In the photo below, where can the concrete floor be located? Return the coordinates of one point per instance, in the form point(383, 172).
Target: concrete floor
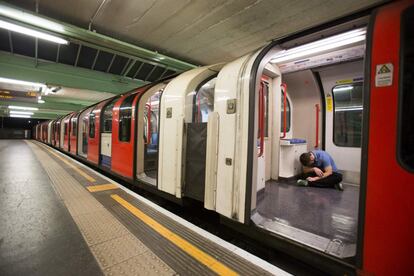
point(34, 220)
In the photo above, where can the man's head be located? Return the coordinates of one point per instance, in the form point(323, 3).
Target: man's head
point(307, 159)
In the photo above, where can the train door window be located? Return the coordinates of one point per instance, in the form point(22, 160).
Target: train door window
point(92, 125)
point(125, 113)
point(282, 120)
point(347, 125)
point(107, 117)
point(151, 115)
point(405, 150)
point(204, 101)
point(66, 129)
point(74, 126)
point(266, 110)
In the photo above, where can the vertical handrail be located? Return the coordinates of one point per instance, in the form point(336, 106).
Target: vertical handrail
point(148, 123)
point(317, 125)
point(261, 119)
point(198, 109)
point(284, 89)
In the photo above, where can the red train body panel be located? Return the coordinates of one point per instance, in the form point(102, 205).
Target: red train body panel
point(389, 186)
point(94, 137)
point(122, 151)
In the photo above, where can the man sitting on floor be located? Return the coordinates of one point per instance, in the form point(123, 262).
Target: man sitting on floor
point(319, 170)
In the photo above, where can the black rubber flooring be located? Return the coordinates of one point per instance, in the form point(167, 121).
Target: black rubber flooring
point(326, 212)
point(37, 233)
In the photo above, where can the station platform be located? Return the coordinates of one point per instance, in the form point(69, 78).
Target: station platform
point(60, 217)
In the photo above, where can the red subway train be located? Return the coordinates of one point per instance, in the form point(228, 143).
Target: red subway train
point(229, 136)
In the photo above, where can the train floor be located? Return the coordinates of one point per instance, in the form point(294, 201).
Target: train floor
point(323, 218)
point(59, 217)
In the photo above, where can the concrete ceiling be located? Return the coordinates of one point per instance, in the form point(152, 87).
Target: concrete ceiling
point(197, 31)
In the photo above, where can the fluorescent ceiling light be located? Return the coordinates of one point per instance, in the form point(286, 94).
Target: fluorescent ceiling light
point(40, 101)
point(325, 44)
point(21, 112)
point(35, 85)
point(20, 116)
point(23, 30)
point(349, 108)
point(30, 18)
point(343, 88)
point(22, 107)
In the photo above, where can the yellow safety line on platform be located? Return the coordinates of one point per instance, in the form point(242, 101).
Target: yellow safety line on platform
point(190, 249)
point(87, 176)
point(102, 187)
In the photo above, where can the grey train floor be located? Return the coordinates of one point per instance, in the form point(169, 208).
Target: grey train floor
point(325, 212)
point(60, 218)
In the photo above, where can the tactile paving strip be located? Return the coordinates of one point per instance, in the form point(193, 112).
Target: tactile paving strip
point(170, 254)
point(116, 250)
point(147, 264)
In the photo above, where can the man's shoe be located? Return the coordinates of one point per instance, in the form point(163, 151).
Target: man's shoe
point(302, 182)
point(339, 186)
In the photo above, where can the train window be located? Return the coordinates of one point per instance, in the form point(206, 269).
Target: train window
point(107, 116)
point(125, 113)
point(405, 146)
point(74, 126)
point(287, 114)
point(65, 129)
point(348, 115)
point(204, 101)
point(92, 125)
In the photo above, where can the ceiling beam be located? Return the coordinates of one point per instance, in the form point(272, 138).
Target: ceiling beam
point(46, 107)
point(76, 34)
point(23, 68)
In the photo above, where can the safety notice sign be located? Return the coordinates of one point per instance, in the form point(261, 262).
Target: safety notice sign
point(383, 75)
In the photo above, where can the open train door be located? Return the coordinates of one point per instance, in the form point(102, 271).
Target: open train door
point(229, 145)
point(388, 159)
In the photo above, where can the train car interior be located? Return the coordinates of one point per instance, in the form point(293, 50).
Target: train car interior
point(61, 131)
point(73, 133)
point(50, 132)
point(148, 133)
point(309, 98)
point(66, 132)
point(106, 134)
point(83, 132)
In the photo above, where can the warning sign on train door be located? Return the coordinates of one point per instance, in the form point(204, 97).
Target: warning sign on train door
point(383, 76)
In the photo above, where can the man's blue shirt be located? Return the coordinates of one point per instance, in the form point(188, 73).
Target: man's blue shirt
point(323, 160)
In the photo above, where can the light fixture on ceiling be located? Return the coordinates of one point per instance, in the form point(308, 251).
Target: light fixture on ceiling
point(30, 18)
point(20, 116)
point(325, 44)
point(23, 30)
point(22, 107)
point(21, 112)
point(343, 88)
point(34, 85)
point(41, 101)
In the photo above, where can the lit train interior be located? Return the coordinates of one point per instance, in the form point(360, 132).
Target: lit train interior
point(147, 133)
point(312, 99)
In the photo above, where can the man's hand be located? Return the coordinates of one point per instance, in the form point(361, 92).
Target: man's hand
point(312, 178)
point(318, 171)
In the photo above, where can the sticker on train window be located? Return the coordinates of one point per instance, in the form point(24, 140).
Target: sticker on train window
point(383, 74)
point(329, 105)
point(344, 81)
